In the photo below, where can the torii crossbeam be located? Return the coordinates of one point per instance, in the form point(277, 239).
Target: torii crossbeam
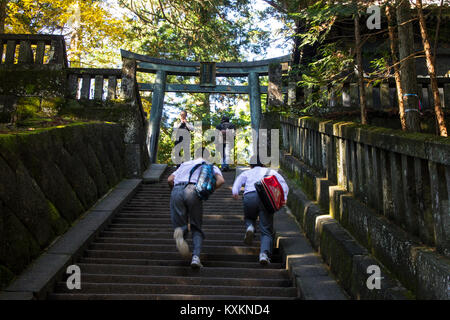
point(207, 72)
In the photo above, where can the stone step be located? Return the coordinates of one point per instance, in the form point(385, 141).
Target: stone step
point(206, 242)
point(167, 227)
point(153, 194)
point(135, 256)
point(166, 213)
point(150, 208)
point(206, 222)
point(157, 215)
point(133, 288)
point(154, 233)
point(194, 281)
point(105, 296)
point(172, 248)
point(218, 272)
point(180, 263)
point(168, 234)
point(163, 201)
point(171, 255)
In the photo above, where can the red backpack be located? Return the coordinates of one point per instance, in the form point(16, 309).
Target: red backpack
point(271, 193)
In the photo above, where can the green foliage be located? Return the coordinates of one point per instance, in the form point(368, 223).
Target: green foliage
point(329, 70)
point(195, 30)
point(92, 32)
point(319, 18)
point(209, 115)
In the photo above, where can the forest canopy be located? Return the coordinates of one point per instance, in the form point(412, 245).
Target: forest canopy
point(326, 38)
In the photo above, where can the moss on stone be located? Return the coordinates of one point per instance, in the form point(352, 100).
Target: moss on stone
point(17, 245)
point(307, 184)
point(6, 277)
point(32, 82)
point(38, 166)
point(59, 225)
point(112, 111)
point(27, 108)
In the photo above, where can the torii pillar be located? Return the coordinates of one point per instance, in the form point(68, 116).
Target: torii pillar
point(255, 110)
point(156, 113)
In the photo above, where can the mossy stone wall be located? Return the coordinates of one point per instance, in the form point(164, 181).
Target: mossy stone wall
point(48, 178)
point(25, 91)
point(421, 267)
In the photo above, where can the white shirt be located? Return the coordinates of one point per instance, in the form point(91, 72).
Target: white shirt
point(183, 172)
point(189, 126)
point(250, 177)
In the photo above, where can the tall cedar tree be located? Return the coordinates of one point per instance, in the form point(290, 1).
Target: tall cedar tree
point(431, 71)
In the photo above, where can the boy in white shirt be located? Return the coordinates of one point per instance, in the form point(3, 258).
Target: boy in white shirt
point(185, 204)
point(182, 124)
point(253, 208)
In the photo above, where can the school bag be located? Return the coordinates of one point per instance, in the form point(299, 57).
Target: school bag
point(206, 182)
point(270, 193)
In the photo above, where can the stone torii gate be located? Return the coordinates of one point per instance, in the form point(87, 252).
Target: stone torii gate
point(207, 72)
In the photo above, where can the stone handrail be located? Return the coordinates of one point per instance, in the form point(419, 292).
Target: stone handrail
point(32, 50)
point(384, 96)
point(80, 85)
point(403, 176)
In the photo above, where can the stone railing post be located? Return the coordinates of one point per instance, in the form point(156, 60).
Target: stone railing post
point(275, 93)
point(134, 129)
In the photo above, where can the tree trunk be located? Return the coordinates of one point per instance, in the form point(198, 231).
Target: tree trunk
point(408, 74)
point(360, 71)
point(74, 52)
point(401, 105)
point(3, 4)
point(436, 37)
point(431, 71)
point(297, 54)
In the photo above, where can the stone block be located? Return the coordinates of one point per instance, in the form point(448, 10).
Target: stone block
point(129, 184)
point(311, 213)
point(79, 236)
point(390, 289)
point(285, 224)
point(338, 248)
point(433, 276)
point(78, 177)
point(335, 193)
point(40, 277)
point(320, 222)
point(18, 296)
point(319, 288)
point(298, 202)
point(48, 172)
point(36, 153)
point(323, 193)
point(304, 264)
point(154, 173)
point(132, 158)
point(27, 201)
point(356, 218)
point(394, 249)
point(17, 245)
point(113, 201)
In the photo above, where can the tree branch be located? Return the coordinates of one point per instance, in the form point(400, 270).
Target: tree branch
point(276, 6)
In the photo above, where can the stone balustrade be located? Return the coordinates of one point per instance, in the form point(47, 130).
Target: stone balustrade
point(404, 177)
point(94, 84)
point(383, 96)
point(17, 49)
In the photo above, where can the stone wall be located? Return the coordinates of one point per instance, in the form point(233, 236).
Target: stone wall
point(37, 83)
point(376, 193)
point(48, 179)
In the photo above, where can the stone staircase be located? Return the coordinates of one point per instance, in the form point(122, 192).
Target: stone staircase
point(135, 256)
